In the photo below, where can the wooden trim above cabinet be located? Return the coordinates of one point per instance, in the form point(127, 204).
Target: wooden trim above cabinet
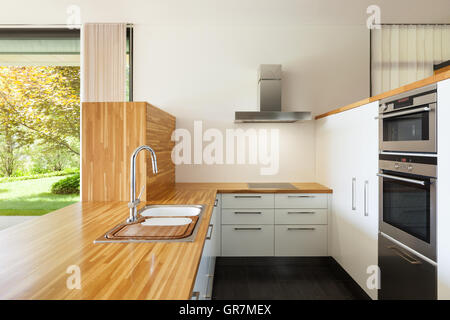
point(438, 76)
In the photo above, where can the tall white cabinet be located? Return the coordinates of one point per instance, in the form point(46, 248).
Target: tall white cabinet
point(443, 191)
point(347, 162)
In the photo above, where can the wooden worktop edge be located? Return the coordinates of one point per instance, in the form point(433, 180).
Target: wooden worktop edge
point(414, 85)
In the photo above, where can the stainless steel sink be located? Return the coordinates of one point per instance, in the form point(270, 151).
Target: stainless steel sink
point(174, 212)
point(170, 211)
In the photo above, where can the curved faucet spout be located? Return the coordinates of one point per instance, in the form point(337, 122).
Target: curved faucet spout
point(134, 202)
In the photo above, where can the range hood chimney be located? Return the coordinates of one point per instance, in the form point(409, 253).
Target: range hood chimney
point(269, 99)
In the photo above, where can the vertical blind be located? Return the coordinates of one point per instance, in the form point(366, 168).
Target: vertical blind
point(402, 54)
point(104, 49)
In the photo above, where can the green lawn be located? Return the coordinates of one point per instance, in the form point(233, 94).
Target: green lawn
point(32, 197)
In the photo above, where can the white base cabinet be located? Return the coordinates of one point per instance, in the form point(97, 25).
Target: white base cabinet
point(247, 240)
point(301, 240)
point(205, 275)
point(293, 224)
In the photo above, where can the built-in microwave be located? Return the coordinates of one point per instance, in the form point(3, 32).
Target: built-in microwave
point(408, 121)
point(408, 201)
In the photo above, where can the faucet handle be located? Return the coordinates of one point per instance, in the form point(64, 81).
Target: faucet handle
point(135, 203)
point(140, 193)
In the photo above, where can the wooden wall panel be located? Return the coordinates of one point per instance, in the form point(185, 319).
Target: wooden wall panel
point(111, 131)
point(160, 126)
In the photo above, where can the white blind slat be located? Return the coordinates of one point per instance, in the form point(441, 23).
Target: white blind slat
point(404, 54)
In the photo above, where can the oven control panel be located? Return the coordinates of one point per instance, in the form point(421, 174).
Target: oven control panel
point(418, 165)
point(403, 166)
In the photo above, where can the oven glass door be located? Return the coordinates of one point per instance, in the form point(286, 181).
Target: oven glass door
point(407, 127)
point(406, 206)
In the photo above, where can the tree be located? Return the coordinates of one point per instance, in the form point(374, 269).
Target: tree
point(41, 103)
point(8, 154)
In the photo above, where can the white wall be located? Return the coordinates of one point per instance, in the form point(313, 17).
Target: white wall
point(197, 59)
point(199, 73)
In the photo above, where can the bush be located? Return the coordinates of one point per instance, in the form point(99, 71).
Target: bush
point(65, 172)
point(68, 185)
point(19, 173)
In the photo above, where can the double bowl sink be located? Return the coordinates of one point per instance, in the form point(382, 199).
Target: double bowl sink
point(158, 223)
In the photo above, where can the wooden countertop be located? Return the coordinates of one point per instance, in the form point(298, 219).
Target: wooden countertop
point(35, 255)
point(414, 85)
point(304, 187)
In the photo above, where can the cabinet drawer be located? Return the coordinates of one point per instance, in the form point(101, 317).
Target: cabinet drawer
point(247, 216)
point(247, 240)
point(301, 216)
point(304, 240)
point(301, 200)
point(248, 200)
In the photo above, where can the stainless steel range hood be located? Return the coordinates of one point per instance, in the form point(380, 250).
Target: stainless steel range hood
point(269, 99)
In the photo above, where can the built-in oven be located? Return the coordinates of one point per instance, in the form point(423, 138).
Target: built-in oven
point(407, 224)
point(408, 121)
point(408, 201)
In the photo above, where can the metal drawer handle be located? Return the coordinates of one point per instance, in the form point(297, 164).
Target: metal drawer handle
point(301, 196)
point(247, 229)
point(404, 255)
point(195, 295)
point(311, 229)
point(247, 212)
point(245, 197)
point(353, 193)
point(210, 234)
point(301, 212)
point(366, 209)
point(382, 175)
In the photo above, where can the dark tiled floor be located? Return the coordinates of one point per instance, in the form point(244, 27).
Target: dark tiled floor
point(284, 278)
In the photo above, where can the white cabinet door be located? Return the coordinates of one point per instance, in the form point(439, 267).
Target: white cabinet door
point(301, 240)
point(299, 200)
point(211, 249)
point(301, 216)
point(347, 157)
point(217, 226)
point(247, 200)
point(248, 216)
point(248, 240)
point(443, 190)
point(201, 281)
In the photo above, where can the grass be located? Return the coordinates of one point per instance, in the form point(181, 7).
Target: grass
point(32, 197)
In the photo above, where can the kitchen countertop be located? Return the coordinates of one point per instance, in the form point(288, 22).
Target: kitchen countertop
point(37, 258)
point(414, 85)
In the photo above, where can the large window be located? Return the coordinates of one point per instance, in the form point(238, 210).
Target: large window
point(129, 79)
point(39, 121)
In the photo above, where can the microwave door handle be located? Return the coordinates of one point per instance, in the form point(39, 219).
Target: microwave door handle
point(401, 179)
point(402, 113)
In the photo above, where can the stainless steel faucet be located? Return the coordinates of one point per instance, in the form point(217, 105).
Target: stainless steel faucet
point(134, 202)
